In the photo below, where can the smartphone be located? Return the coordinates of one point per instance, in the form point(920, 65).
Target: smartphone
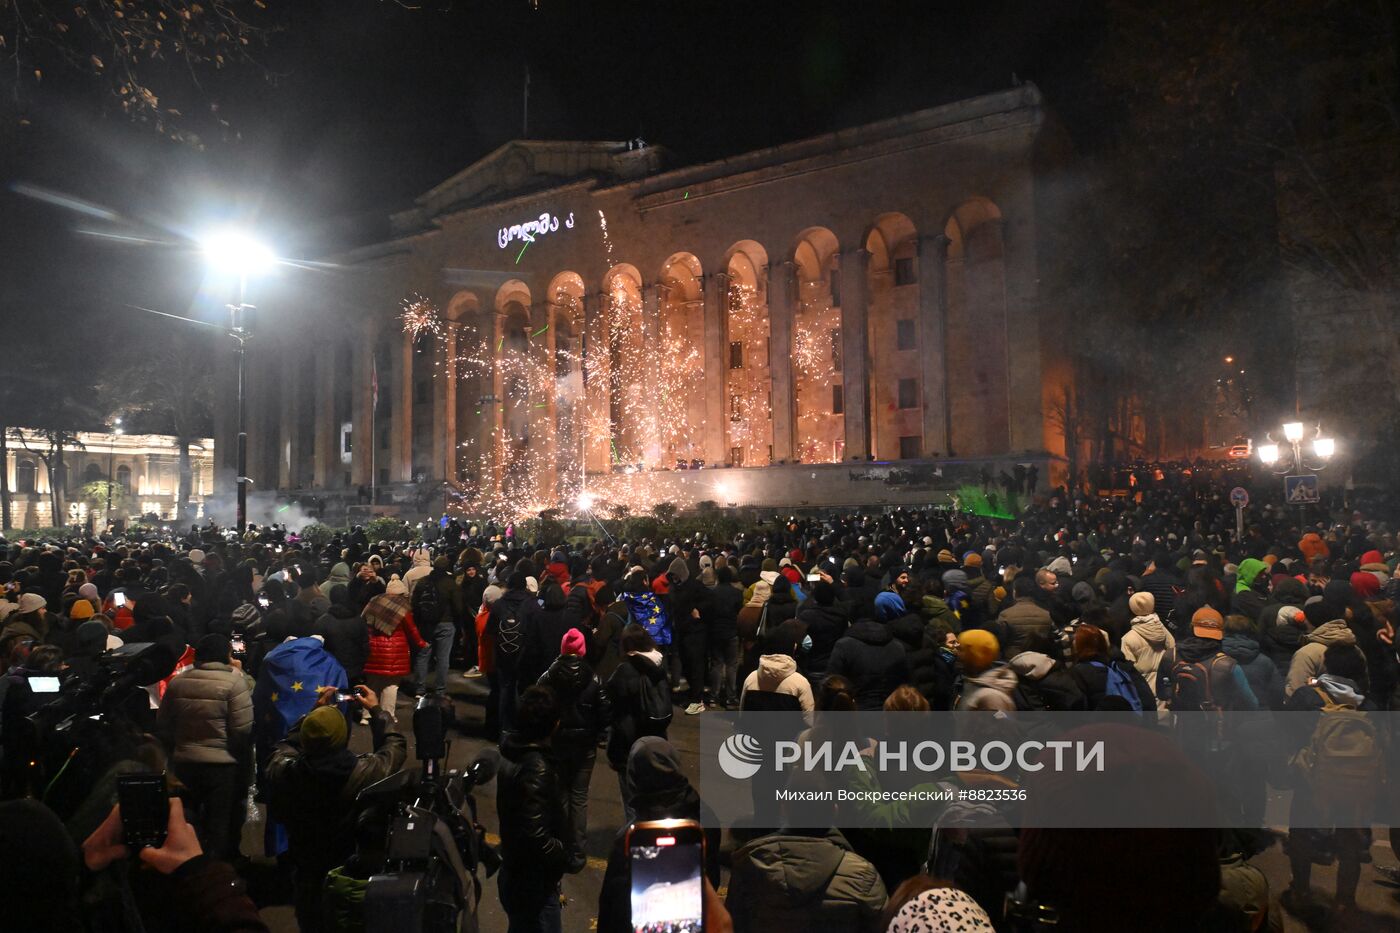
point(145, 806)
point(44, 684)
point(264, 601)
point(118, 599)
point(237, 645)
point(344, 697)
point(814, 578)
point(667, 858)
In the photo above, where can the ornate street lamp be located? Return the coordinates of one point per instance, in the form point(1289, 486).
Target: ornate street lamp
point(1296, 455)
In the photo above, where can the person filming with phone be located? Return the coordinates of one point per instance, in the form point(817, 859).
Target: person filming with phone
point(313, 780)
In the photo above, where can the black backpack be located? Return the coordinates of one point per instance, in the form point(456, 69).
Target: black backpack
point(654, 704)
point(510, 634)
point(427, 604)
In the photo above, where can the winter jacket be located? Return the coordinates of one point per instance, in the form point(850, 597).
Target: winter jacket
point(530, 807)
point(871, 659)
point(606, 643)
point(314, 795)
point(993, 689)
point(347, 638)
point(1307, 661)
point(1022, 621)
point(585, 710)
point(722, 623)
point(804, 880)
point(1165, 586)
point(1147, 646)
point(1264, 678)
point(1229, 687)
point(390, 655)
point(932, 669)
point(1092, 678)
point(777, 673)
point(543, 632)
point(1041, 677)
point(624, 691)
point(206, 715)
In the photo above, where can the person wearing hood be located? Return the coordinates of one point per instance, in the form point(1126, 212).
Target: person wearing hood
point(662, 792)
point(1282, 624)
point(1336, 691)
point(781, 607)
point(826, 621)
point(1043, 681)
point(420, 566)
point(392, 640)
point(585, 713)
point(690, 601)
point(557, 569)
point(542, 633)
point(1264, 678)
point(1251, 589)
point(1307, 660)
point(988, 683)
point(631, 720)
point(869, 656)
point(339, 576)
point(1148, 646)
point(29, 620)
point(206, 721)
point(777, 676)
point(366, 585)
point(346, 637)
point(312, 781)
point(805, 876)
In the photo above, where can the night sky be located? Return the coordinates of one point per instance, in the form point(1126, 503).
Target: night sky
point(361, 105)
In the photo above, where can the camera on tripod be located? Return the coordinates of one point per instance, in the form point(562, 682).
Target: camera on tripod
point(434, 845)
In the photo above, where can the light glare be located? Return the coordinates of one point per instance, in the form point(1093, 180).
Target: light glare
point(1293, 430)
point(1324, 447)
point(1268, 453)
point(234, 252)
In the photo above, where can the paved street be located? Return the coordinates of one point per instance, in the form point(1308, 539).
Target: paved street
point(1380, 902)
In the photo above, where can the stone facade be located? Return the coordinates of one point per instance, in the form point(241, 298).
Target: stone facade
point(859, 298)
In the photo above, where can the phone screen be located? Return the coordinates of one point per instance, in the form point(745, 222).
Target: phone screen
point(145, 809)
point(813, 577)
point(264, 601)
point(119, 600)
point(43, 684)
point(668, 894)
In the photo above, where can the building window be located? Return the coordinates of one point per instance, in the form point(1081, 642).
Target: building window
point(836, 349)
point(124, 478)
point(908, 393)
point(92, 473)
point(904, 338)
point(349, 441)
point(736, 456)
point(836, 287)
point(383, 476)
point(904, 271)
point(909, 447)
point(24, 476)
point(838, 399)
point(736, 355)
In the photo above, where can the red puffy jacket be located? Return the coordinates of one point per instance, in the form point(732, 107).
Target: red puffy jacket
point(389, 655)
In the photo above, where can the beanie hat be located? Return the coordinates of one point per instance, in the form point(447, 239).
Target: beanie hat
point(940, 910)
point(1290, 615)
point(196, 556)
point(323, 730)
point(396, 587)
point(491, 594)
point(573, 643)
point(88, 591)
point(889, 606)
point(945, 556)
point(1141, 604)
point(31, 602)
point(1366, 585)
point(532, 584)
point(954, 580)
point(212, 647)
point(80, 610)
point(972, 559)
point(978, 649)
point(1207, 623)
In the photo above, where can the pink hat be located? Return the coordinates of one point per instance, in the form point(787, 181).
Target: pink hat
point(573, 643)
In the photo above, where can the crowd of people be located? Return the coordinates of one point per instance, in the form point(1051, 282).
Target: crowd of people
point(1145, 603)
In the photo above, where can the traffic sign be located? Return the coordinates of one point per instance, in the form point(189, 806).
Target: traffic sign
point(1239, 497)
point(1300, 490)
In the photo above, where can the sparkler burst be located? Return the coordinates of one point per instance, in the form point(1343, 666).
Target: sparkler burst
point(420, 316)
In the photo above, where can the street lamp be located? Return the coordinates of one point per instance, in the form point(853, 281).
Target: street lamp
point(235, 253)
point(111, 460)
point(1296, 455)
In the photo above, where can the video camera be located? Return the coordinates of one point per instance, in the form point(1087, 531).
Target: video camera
point(434, 844)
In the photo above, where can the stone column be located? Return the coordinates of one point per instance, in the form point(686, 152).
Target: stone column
point(448, 404)
point(225, 465)
point(596, 453)
point(716, 365)
point(327, 454)
point(933, 315)
point(1024, 388)
point(543, 411)
point(289, 446)
point(361, 400)
point(855, 351)
point(781, 288)
point(401, 443)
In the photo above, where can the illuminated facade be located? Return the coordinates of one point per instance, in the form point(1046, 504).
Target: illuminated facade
point(801, 318)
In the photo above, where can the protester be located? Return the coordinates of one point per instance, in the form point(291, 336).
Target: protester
point(535, 852)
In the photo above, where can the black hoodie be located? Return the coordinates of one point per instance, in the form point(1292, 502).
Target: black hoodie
point(871, 659)
point(544, 633)
point(584, 706)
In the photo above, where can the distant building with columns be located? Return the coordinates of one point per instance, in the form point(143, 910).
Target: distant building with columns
point(854, 318)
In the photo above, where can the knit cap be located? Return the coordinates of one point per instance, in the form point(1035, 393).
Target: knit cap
point(323, 730)
point(1141, 604)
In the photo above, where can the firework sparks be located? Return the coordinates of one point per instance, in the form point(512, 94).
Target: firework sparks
point(419, 317)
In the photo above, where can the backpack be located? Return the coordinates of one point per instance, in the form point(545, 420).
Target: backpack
point(1342, 763)
point(1192, 692)
point(1164, 686)
point(654, 704)
point(427, 603)
point(648, 612)
point(510, 635)
point(1119, 684)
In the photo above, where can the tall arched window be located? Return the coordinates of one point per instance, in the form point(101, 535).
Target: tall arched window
point(816, 349)
point(24, 476)
point(92, 473)
point(748, 386)
point(124, 478)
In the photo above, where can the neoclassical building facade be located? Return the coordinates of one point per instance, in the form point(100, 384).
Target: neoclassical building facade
point(815, 322)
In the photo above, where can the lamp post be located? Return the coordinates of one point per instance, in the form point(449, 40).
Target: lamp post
point(1295, 456)
point(232, 252)
point(111, 461)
